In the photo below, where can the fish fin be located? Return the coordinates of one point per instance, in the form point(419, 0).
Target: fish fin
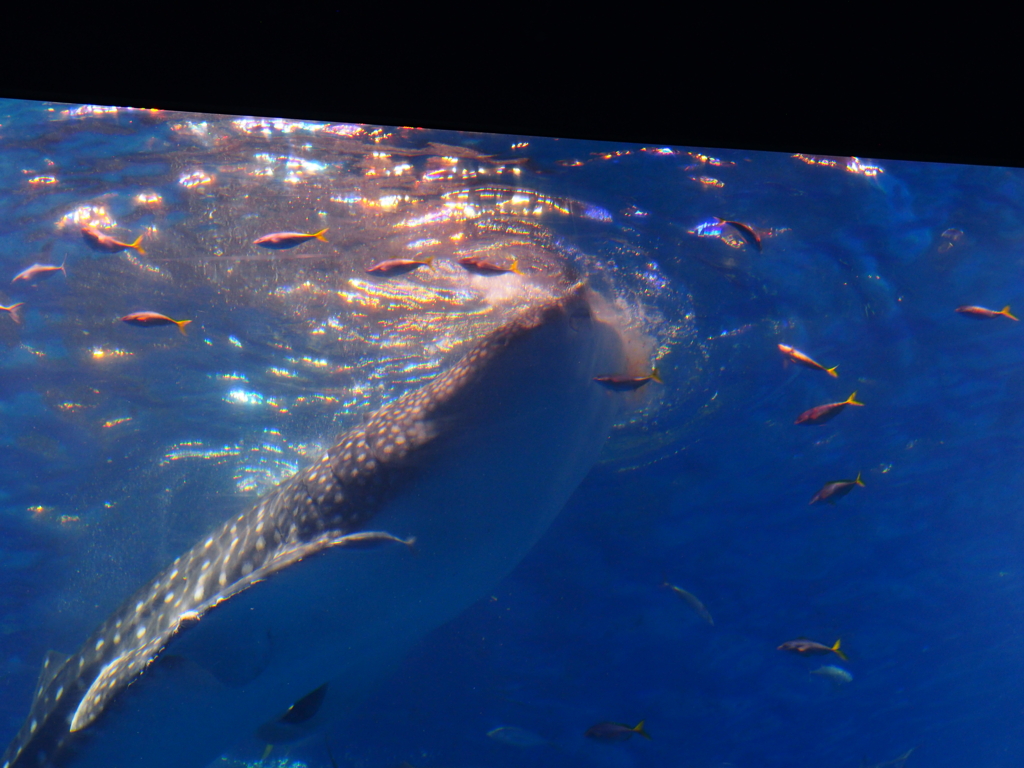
point(266, 752)
point(851, 401)
point(858, 481)
point(656, 375)
point(137, 247)
point(832, 372)
point(181, 326)
point(15, 310)
point(66, 272)
point(320, 235)
point(840, 654)
point(515, 267)
point(411, 544)
point(1006, 311)
point(640, 730)
point(429, 261)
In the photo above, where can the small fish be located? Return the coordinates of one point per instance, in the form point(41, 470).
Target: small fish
point(147, 319)
point(399, 266)
point(692, 601)
point(837, 675)
point(480, 266)
point(799, 357)
point(628, 383)
point(372, 540)
point(108, 244)
point(897, 762)
point(40, 272)
point(615, 731)
point(516, 737)
point(822, 413)
point(982, 312)
point(835, 490)
point(288, 239)
point(14, 311)
point(746, 232)
point(810, 648)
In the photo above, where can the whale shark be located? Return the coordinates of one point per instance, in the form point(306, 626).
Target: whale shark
point(278, 621)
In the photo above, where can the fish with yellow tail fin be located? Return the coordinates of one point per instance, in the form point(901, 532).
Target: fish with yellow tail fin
point(615, 732)
point(822, 413)
point(393, 267)
point(628, 383)
point(806, 647)
point(282, 240)
point(101, 242)
point(150, 319)
point(266, 752)
point(479, 265)
point(982, 312)
point(835, 490)
point(799, 357)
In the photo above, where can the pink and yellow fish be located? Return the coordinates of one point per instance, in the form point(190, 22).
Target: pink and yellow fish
point(151, 319)
point(107, 244)
point(281, 240)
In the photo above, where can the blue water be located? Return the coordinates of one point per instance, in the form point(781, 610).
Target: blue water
point(122, 445)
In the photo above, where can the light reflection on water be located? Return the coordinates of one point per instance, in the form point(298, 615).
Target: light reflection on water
point(285, 348)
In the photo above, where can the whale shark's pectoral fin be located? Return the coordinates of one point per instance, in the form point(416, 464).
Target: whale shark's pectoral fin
point(204, 635)
point(52, 663)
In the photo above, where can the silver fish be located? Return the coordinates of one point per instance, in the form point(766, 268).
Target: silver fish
point(692, 601)
point(515, 736)
point(837, 675)
point(272, 627)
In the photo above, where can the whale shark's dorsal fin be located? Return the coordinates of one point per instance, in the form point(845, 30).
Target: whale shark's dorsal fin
point(52, 663)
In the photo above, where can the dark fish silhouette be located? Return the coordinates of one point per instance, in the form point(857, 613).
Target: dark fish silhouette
point(836, 490)
point(822, 413)
point(628, 383)
point(810, 648)
point(692, 601)
point(479, 265)
point(399, 266)
point(615, 731)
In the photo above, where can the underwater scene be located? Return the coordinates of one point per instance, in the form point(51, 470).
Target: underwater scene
point(339, 445)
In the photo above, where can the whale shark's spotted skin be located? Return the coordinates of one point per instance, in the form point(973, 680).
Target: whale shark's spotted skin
point(315, 509)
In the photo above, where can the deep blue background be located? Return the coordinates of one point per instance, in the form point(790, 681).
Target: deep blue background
point(920, 573)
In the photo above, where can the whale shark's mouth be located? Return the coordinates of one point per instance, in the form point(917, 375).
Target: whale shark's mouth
point(286, 614)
